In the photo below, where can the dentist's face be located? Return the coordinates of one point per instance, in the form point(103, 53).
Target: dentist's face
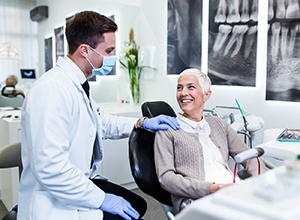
point(190, 97)
point(105, 48)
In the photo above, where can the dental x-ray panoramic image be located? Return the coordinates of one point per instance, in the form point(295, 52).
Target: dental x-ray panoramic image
point(232, 43)
point(232, 39)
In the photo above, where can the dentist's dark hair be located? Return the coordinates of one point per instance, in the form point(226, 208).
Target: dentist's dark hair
point(87, 27)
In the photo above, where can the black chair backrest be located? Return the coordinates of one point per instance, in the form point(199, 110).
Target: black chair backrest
point(141, 154)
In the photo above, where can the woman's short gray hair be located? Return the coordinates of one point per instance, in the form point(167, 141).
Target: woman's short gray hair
point(204, 80)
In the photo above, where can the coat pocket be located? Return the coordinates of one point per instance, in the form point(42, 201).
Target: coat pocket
point(44, 206)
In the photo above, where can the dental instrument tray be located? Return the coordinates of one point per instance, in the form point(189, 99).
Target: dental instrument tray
point(289, 135)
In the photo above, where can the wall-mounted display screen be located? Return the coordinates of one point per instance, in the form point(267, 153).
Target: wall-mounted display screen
point(28, 74)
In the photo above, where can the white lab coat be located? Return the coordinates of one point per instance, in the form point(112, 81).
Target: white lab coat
point(59, 126)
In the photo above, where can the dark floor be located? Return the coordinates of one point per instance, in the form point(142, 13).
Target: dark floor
point(154, 211)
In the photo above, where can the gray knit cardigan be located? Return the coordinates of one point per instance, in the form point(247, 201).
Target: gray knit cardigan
point(179, 160)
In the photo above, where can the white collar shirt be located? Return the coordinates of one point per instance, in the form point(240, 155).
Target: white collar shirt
point(216, 169)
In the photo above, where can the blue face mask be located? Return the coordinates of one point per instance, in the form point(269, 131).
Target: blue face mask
point(107, 65)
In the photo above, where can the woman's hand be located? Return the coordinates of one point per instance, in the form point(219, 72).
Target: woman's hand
point(216, 186)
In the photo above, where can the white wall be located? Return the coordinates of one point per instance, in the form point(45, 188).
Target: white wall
point(150, 21)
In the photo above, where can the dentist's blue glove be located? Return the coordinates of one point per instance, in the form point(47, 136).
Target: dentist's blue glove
point(159, 123)
point(116, 205)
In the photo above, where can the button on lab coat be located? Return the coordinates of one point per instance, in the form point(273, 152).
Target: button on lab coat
point(59, 128)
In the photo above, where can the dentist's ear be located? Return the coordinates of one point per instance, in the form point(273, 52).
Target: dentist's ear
point(83, 49)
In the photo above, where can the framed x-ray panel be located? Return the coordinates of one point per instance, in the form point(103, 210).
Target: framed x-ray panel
point(48, 54)
point(232, 42)
point(184, 35)
point(59, 42)
point(283, 60)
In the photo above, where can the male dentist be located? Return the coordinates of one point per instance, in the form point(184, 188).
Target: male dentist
point(62, 132)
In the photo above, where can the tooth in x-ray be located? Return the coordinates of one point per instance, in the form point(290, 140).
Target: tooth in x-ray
point(293, 32)
point(254, 10)
point(224, 30)
point(280, 9)
point(238, 32)
point(271, 10)
point(275, 40)
point(284, 39)
point(245, 11)
point(233, 12)
point(293, 10)
point(249, 40)
point(221, 13)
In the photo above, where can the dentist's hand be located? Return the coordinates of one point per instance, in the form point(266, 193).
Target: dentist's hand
point(116, 205)
point(159, 123)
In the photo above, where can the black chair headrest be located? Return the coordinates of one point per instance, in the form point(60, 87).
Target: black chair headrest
point(155, 108)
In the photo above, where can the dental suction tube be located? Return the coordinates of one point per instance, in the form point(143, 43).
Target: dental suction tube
point(249, 154)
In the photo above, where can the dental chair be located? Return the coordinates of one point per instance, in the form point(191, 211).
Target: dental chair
point(10, 156)
point(15, 102)
point(141, 156)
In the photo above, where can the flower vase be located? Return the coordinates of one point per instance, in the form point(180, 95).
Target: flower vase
point(134, 85)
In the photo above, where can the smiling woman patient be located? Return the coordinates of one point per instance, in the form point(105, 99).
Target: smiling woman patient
point(193, 162)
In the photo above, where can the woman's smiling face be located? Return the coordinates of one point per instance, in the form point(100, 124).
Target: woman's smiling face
point(191, 97)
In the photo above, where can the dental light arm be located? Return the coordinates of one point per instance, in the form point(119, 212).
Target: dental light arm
point(249, 154)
